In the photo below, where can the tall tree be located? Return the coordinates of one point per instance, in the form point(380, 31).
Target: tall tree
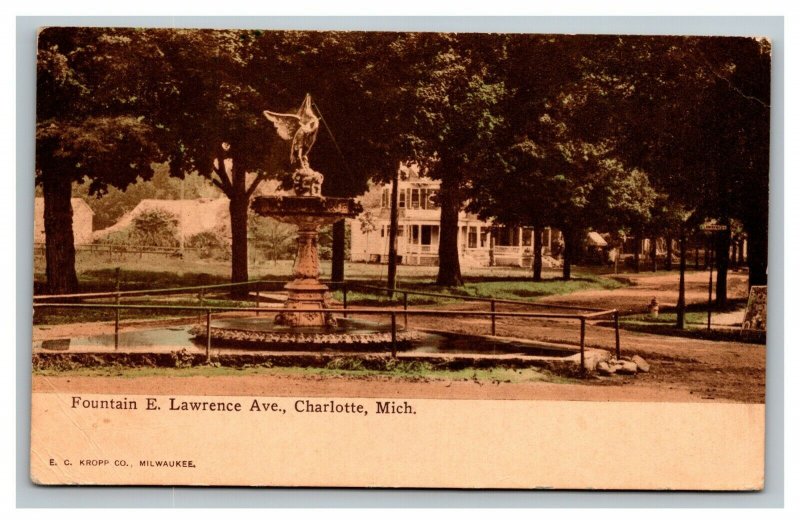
point(459, 92)
point(212, 121)
point(90, 126)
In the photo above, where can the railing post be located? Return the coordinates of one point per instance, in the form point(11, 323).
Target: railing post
point(394, 335)
point(494, 329)
point(405, 308)
point(202, 292)
point(616, 331)
point(258, 301)
point(344, 298)
point(583, 338)
point(208, 335)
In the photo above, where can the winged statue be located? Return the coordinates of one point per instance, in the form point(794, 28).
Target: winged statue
point(300, 128)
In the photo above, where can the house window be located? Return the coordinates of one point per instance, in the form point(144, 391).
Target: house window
point(415, 198)
point(415, 234)
point(383, 231)
point(402, 199)
point(472, 241)
point(432, 204)
point(426, 235)
point(527, 237)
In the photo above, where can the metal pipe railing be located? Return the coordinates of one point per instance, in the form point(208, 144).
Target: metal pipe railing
point(475, 299)
point(493, 314)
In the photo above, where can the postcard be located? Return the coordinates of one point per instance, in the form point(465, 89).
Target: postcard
point(384, 259)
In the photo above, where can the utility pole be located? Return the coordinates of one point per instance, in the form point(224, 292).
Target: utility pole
point(183, 222)
point(393, 220)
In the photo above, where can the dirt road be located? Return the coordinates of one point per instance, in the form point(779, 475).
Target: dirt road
point(646, 286)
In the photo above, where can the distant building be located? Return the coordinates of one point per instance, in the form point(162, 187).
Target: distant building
point(480, 243)
point(82, 217)
point(194, 216)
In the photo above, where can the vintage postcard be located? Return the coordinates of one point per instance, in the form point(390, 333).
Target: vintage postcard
point(376, 259)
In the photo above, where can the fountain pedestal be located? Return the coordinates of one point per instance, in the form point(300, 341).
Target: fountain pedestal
point(309, 214)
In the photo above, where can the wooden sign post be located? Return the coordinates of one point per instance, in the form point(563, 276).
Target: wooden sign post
point(711, 228)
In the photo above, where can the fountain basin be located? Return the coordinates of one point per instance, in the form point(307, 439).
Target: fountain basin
point(306, 212)
point(268, 334)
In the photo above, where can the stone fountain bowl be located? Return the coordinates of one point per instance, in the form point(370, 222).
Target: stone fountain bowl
point(317, 210)
point(259, 333)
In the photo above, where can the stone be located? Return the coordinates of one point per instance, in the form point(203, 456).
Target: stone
point(594, 357)
point(641, 364)
point(626, 367)
point(604, 369)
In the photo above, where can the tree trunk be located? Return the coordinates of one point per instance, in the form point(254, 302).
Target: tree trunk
point(668, 262)
point(734, 247)
point(637, 248)
point(393, 220)
point(449, 264)
point(681, 307)
point(723, 261)
point(337, 251)
point(238, 210)
point(653, 254)
point(537, 253)
point(569, 251)
point(757, 254)
point(741, 251)
point(59, 239)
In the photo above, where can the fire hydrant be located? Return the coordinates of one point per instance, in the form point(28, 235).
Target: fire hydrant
point(653, 308)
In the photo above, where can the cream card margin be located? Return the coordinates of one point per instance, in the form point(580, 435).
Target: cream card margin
point(445, 444)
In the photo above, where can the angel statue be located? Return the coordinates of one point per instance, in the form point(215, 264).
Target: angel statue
point(301, 129)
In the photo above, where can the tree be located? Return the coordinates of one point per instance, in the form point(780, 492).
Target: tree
point(696, 115)
point(360, 83)
point(459, 92)
point(90, 127)
point(212, 121)
point(275, 236)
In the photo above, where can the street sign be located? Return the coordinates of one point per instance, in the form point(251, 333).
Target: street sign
point(713, 227)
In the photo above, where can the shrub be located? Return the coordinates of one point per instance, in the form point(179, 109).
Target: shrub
point(207, 244)
point(156, 227)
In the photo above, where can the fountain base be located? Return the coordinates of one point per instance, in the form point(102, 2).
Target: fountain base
point(306, 294)
point(268, 334)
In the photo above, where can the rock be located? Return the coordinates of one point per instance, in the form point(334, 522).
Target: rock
point(641, 364)
point(593, 358)
point(626, 368)
point(604, 369)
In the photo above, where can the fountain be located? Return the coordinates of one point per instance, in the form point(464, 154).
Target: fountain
point(309, 211)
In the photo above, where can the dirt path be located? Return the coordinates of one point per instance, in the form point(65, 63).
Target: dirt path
point(662, 286)
point(376, 387)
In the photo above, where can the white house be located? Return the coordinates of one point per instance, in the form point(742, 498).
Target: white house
point(480, 243)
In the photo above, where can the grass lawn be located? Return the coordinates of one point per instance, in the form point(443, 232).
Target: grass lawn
point(97, 273)
point(401, 371)
point(509, 288)
point(696, 318)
